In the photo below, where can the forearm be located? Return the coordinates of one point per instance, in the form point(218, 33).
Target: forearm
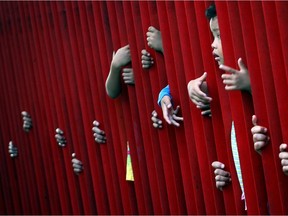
point(113, 82)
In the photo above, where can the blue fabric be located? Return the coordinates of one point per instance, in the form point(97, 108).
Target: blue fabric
point(165, 91)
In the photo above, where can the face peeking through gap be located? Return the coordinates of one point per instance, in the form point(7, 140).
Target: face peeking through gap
point(216, 45)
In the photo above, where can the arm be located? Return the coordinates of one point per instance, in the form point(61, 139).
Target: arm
point(113, 82)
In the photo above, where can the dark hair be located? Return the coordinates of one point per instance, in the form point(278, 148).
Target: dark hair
point(211, 12)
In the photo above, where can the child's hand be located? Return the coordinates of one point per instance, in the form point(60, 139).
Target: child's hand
point(27, 121)
point(147, 60)
point(128, 76)
point(283, 155)
point(197, 90)
point(99, 135)
point(12, 150)
point(76, 164)
point(222, 177)
point(236, 79)
point(154, 39)
point(60, 138)
point(122, 57)
point(260, 137)
point(157, 123)
point(169, 114)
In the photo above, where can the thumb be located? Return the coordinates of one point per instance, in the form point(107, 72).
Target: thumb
point(203, 77)
point(254, 120)
point(241, 64)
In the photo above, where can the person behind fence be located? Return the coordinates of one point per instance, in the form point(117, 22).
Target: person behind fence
point(154, 41)
point(261, 139)
point(233, 80)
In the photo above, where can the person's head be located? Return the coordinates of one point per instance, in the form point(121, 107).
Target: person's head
point(211, 14)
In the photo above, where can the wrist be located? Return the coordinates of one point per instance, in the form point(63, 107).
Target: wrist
point(115, 66)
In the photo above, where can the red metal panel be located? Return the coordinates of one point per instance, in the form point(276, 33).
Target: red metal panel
point(40, 79)
point(10, 187)
point(21, 167)
point(117, 38)
point(221, 118)
point(206, 153)
point(277, 66)
point(26, 96)
point(242, 110)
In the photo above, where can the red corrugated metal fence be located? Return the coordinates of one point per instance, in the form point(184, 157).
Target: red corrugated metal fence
point(54, 60)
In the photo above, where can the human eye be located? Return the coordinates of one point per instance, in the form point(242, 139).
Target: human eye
point(218, 36)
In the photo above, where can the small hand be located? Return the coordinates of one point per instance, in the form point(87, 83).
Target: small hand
point(76, 164)
point(147, 60)
point(157, 123)
point(236, 79)
point(154, 39)
point(283, 156)
point(27, 121)
point(169, 114)
point(12, 150)
point(260, 137)
point(222, 177)
point(128, 76)
point(60, 138)
point(99, 134)
point(122, 57)
point(197, 90)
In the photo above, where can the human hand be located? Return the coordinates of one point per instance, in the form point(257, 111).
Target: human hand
point(12, 150)
point(283, 156)
point(222, 177)
point(236, 79)
point(27, 121)
point(157, 123)
point(76, 164)
point(198, 93)
point(128, 76)
point(154, 39)
point(260, 137)
point(169, 114)
point(122, 57)
point(99, 135)
point(147, 60)
point(60, 138)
